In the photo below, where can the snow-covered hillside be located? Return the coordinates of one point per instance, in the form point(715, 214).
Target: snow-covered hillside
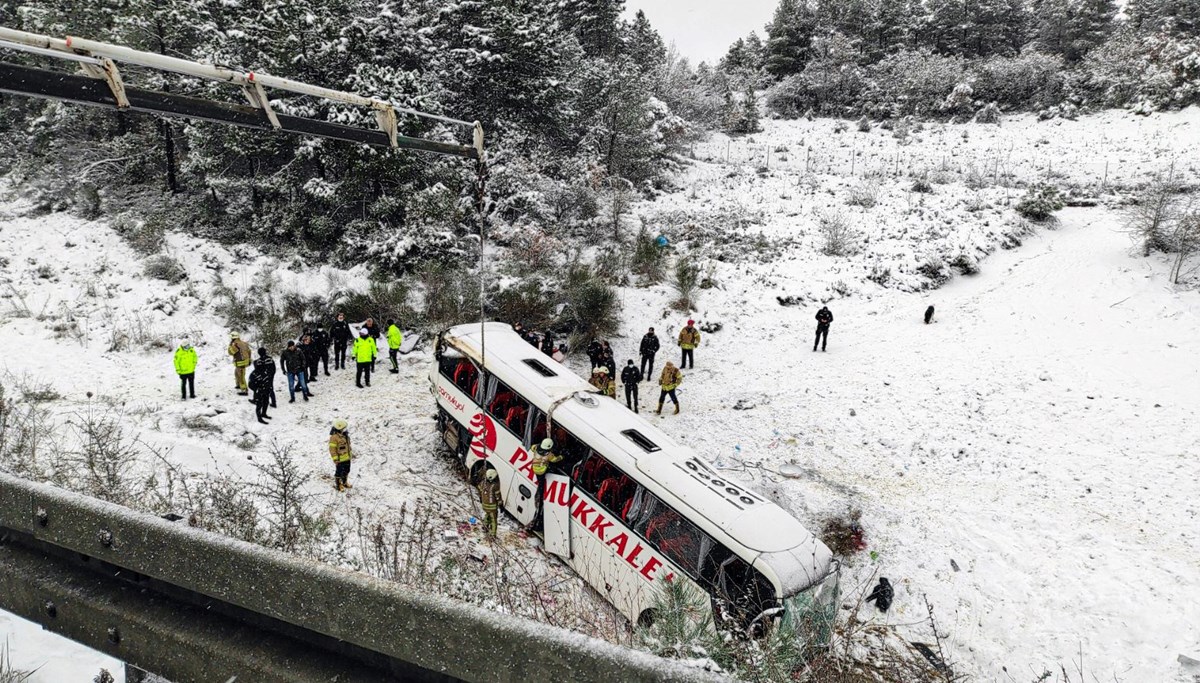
point(1027, 462)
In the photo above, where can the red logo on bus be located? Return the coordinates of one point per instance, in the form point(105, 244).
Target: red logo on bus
point(483, 431)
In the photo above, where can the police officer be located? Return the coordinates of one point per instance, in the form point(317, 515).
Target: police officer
point(185, 367)
point(630, 377)
point(341, 335)
point(395, 338)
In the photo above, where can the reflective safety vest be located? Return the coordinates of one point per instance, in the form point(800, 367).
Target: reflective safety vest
point(365, 349)
point(541, 461)
point(671, 378)
point(689, 338)
point(489, 494)
point(339, 446)
point(395, 338)
point(185, 360)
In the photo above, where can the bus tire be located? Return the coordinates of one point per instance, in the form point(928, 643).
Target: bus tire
point(647, 618)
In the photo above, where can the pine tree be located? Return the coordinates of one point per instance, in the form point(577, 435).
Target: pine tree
point(892, 25)
point(789, 38)
point(1180, 17)
point(748, 120)
point(1051, 32)
point(755, 52)
point(596, 23)
point(1089, 25)
point(644, 45)
point(735, 58)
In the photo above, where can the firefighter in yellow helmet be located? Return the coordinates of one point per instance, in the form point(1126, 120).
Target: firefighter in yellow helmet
point(339, 451)
point(240, 351)
point(490, 499)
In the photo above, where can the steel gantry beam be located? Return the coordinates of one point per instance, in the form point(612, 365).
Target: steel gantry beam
point(101, 85)
point(196, 606)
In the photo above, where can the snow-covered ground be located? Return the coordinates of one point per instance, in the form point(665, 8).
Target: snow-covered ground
point(1038, 435)
point(51, 658)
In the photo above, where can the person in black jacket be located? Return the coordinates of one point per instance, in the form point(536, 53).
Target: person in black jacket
point(291, 361)
point(608, 360)
point(630, 376)
point(929, 315)
point(648, 348)
point(548, 343)
point(267, 363)
point(824, 317)
point(341, 335)
point(312, 357)
point(594, 351)
point(260, 385)
point(321, 339)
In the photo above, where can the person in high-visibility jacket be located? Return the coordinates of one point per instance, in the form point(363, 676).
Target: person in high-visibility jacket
point(689, 339)
point(185, 367)
point(339, 451)
point(490, 499)
point(669, 381)
point(603, 382)
point(365, 351)
point(240, 351)
point(395, 339)
point(542, 456)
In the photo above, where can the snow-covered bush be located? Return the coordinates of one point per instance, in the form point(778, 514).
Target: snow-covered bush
point(922, 186)
point(990, 113)
point(686, 282)
point(146, 237)
point(593, 306)
point(960, 100)
point(914, 82)
point(1144, 72)
point(838, 236)
point(451, 297)
point(865, 192)
point(1152, 212)
point(864, 125)
point(529, 302)
point(166, 268)
point(1040, 203)
point(965, 264)
point(648, 257)
point(1031, 80)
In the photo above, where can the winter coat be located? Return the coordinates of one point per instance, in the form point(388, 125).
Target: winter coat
point(372, 330)
point(541, 461)
point(292, 361)
point(259, 382)
point(185, 360)
point(320, 340)
point(339, 331)
point(671, 378)
point(268, 366)
point(649, 344)
point(824, 316)
point(311, 352)
point(240, 351)
point(632, 374)
point(882, 594)
point(489, 494)
point(365, 349)
point(594, 350)
point(548, 344)
point(395, 338)
point(339, 445)
point(689, 337)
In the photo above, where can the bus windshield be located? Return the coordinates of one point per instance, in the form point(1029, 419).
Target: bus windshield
point(812, 612)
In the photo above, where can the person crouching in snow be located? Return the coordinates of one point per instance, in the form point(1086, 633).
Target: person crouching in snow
point(340, 453)
point(395, 339)
point(185, 367)
point(669, 382)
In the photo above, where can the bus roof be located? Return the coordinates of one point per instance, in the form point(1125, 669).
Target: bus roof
point(672, 471)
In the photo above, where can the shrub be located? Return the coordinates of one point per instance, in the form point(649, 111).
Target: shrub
point(382, 300)
point(450, 298)
point(988, 114)
point(935, 269)
point(965, 265)
point(87, 202)
point(686, 283)
point(146, 237)
point(838, 237)
point(865, 193)
point(864, 125)
point(647, 261)
point(1040, 203)
point(166, 268)
point(592, 304)
point(1153, 210)
point(1032, 80)
point(528, 302)
point(922, 186)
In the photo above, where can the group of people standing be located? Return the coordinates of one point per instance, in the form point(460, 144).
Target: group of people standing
point(604, 367)
point(301, 361)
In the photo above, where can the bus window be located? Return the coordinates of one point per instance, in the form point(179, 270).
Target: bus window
point(572, 450)
point(461, 371)
point(507, 407)
point(675, 537)
point(741, 594)
point(538, 431)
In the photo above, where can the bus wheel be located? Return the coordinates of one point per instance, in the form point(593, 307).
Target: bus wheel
point(647, 618)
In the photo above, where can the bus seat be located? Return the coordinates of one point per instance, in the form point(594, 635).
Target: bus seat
point(589, 472)
point(474, 386)
point(625, 509)
point(462, 371)
point(515, 419)
point(608, 493)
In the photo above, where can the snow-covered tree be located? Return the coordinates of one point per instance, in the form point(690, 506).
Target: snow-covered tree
point(789, 38)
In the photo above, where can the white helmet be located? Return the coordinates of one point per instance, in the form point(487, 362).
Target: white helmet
point(491, 475)
point(340, 425)
point(547, 444)
point(363, 332)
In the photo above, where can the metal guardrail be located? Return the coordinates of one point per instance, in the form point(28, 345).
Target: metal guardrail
point(281, 607)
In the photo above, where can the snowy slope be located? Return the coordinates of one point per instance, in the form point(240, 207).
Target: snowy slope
point(1038, 434)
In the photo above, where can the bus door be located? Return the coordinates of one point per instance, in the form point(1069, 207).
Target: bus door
point(556, 515)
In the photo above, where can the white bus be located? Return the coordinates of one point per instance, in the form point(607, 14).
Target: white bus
point(627, 507)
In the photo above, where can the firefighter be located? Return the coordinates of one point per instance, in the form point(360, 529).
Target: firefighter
point(630, 377)
point(689, 339)
point(395, 339)
point(670, 380)
point(490, 499)
point(339, 451)
point(542, 456)
point(240, 351)
point(364, 355)
point(185, 367)
point(601, 381)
